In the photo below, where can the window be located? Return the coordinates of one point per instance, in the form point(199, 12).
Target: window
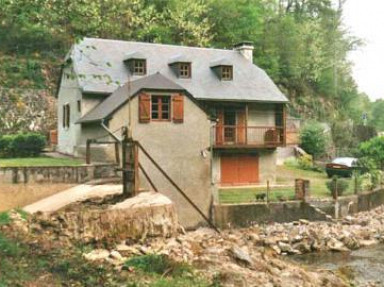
point(185, 70)
point(66, 115)
point(79, 106)
point(139, 67)
point(226, 73)
point(160, 108)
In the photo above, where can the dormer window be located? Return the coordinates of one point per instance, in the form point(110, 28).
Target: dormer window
point(181, 66)
point(139, 67)
point(226, 73)
point(184, 70)
point(223, 68)
point(136, 63)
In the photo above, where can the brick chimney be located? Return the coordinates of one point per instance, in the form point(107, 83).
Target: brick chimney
point(246, 49)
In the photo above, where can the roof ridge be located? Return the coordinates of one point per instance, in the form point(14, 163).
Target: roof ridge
point(158, 44)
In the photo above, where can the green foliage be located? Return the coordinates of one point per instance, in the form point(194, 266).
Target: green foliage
point(291, 162)
point(4, 218)
point(159, 264)
point(22, 145)
point(313, 139)
point(339, 184)
point(302, 45)
point(371, 153)
point(377, 118)
point(305, 162)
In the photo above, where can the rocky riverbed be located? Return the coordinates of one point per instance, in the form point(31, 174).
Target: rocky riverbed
point(253, 256)
point(240, 257)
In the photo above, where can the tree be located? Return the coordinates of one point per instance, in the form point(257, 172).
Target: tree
point(313, 139)
point(377, 118)
point(371, 153)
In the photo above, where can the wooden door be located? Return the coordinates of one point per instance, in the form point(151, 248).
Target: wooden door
point(241, 127)
point(239, 169)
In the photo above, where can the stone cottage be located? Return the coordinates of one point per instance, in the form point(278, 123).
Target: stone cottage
point(209, 117)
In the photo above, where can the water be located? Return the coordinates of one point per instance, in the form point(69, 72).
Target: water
point(363, 266)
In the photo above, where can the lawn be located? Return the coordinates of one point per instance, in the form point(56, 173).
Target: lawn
point(39, 161)
point(285, 180)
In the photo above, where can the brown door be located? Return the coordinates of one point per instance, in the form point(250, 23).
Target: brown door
point(239, 169)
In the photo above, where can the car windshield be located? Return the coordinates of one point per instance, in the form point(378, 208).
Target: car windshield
point(348, 161)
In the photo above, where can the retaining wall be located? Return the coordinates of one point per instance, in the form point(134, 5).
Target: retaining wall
point(62, 174)
point(242, 215)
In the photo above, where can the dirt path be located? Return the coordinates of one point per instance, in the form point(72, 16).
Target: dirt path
point(19, 195)
point(77, 193)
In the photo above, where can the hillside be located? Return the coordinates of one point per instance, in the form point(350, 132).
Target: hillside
point(302, 45)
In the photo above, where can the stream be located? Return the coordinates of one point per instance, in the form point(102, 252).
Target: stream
point(363, 266)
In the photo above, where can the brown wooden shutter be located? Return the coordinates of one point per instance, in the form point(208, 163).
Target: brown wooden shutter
point(178, 108)
point(144, 108)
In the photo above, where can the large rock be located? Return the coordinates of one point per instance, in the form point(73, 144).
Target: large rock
point(148, 214)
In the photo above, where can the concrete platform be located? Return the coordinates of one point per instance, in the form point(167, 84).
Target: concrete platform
point(74, 194)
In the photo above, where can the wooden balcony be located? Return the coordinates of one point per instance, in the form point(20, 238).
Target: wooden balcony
point(227, 136)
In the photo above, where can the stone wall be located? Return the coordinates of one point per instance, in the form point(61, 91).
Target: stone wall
point(242, 215)
point(65, 174)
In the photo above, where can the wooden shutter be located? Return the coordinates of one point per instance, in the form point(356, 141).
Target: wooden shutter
point(64, 116)
point(68, 115)
point(178, 108)
point(144, 108)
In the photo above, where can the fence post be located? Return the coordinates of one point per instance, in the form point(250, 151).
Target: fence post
point(355, 181)
point(336, 195)
point(88, 152)
point(267, 191)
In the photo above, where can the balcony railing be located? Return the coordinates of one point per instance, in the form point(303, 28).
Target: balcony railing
point(251, 136)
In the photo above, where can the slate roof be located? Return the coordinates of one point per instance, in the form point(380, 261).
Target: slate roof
point(122, 95)
point(100, 63)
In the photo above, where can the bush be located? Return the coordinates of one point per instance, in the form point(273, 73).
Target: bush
point(22, 145)
point(313, 140)
point(306, 162)
point(341, 184)
point(159, 264)
point(5, 146)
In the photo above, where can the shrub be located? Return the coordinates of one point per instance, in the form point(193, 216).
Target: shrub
point(372, 152)
point(22, 145)
point(339, 184)
point(313, 139)
point(159, 264)
point(306, 162)
point(5, 146)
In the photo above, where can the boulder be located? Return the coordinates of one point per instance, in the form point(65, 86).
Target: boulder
point(97, 255)
point(241, 255)
point(335, 245)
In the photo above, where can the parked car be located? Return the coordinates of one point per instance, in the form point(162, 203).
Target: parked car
point(343, 167)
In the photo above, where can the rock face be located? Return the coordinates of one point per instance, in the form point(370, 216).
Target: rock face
point(149, 214)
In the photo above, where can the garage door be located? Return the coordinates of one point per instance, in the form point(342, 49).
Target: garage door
point(239, 169)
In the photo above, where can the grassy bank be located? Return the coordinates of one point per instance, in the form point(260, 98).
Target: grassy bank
point(284, 190)
point(39, 161)
point(41, 262)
